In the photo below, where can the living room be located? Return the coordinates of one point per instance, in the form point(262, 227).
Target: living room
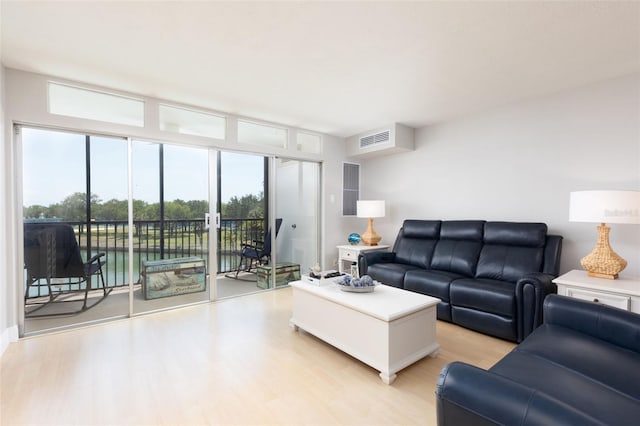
point(545, 102)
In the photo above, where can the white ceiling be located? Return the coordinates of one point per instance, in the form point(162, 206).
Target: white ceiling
point(334, 67)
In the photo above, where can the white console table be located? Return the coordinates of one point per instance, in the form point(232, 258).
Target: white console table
point(348, 254)
point(623, 293)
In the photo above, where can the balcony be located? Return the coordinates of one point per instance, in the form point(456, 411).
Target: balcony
point(155, 239)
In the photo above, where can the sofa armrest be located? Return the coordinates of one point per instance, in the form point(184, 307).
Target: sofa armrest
point(531, 291)
point(371, 258)
point(468, 395)
point(613, 325)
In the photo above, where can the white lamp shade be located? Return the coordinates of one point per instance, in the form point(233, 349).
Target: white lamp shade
point(370, 208)
point(604, 206)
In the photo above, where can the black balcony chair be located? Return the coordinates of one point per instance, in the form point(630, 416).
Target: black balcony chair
point(255, 254)
point(52, 259)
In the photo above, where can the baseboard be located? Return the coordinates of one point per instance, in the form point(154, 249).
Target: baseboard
point(9, 335)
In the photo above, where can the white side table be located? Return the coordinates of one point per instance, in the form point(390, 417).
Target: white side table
point(623, 293)
point(348, 255)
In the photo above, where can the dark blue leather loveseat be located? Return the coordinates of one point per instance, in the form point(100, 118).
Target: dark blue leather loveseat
point(490, 276)
point(580, 367)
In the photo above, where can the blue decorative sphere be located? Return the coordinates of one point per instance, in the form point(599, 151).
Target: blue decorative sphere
point(354, 238)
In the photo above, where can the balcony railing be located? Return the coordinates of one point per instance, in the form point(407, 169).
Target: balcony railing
point(153, 240)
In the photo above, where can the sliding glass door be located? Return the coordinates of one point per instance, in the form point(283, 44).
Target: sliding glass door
point(114, 227)
point(85, 258)
point(298, 205)
point(268, 234)
point(243, 223)
point(171, 241)
point(74, 196)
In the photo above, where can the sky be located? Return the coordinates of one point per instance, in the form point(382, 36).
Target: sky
point(54, 168)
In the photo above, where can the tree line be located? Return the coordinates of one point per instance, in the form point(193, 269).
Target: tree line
point(74, 209)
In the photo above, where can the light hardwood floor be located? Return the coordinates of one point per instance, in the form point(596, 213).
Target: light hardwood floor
point(235, 361)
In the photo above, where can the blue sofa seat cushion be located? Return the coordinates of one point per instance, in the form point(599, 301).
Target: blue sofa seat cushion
point(493, 296)
point(431, 282)
point(390, 273)
point(613, 387)
point(600, 361)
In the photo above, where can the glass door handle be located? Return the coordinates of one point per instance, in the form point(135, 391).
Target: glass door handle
point(207, 221)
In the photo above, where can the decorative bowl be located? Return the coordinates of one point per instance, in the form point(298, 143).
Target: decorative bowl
point(364, 284)
point(350, 289)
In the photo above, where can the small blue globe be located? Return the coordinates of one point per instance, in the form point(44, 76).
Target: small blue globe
point(354, 238)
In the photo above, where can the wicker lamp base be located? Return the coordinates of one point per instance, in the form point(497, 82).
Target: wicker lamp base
point(603, 262)
point(370, 237)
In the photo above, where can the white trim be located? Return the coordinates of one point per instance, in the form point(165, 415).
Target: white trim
point(212, 261)
point(8, 336)
point(27, 100)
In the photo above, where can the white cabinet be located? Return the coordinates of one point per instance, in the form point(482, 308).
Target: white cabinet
point(622, 293)
point(348, 255)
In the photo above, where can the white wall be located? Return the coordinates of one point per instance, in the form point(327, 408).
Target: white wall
point(8, 327)
point(4, 320)
point(519, 163)
point(336, 227)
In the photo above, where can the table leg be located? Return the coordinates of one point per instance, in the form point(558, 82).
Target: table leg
point(292, 325)
point(387, 379)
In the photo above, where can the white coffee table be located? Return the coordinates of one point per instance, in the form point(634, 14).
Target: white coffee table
point(387, 329)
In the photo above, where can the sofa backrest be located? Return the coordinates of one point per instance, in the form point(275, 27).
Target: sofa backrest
point(511, 250)
point(416, 241)
point(497, 250)
point(552, 253)
point(459, 246)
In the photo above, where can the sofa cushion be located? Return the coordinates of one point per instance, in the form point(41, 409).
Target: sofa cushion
point(511, 250)
point(459, 247)
point(389, 273)
point(594, 354)
point(416, 241)
point(429, 229)
point(433, 283)
point(515, 234)
point(508, 263)
point(485, 322)
point(586, 373)
point(467, 230)
point(494, 296)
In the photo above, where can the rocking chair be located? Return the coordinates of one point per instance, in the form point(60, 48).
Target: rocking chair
point(52, 259)
point(255, 254)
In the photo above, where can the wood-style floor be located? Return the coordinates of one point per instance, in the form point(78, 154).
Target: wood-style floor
point(233, 362)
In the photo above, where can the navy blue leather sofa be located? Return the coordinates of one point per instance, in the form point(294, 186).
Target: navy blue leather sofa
point(580, 367)
point(491, 277)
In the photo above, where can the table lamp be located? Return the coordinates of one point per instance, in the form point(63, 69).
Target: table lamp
point(604, 207)
point(370, 209)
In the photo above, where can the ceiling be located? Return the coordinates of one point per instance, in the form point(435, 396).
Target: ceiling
point(334, 67)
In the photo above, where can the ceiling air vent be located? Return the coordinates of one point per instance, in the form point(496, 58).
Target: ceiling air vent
point(386, 139)
point(374, 139)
